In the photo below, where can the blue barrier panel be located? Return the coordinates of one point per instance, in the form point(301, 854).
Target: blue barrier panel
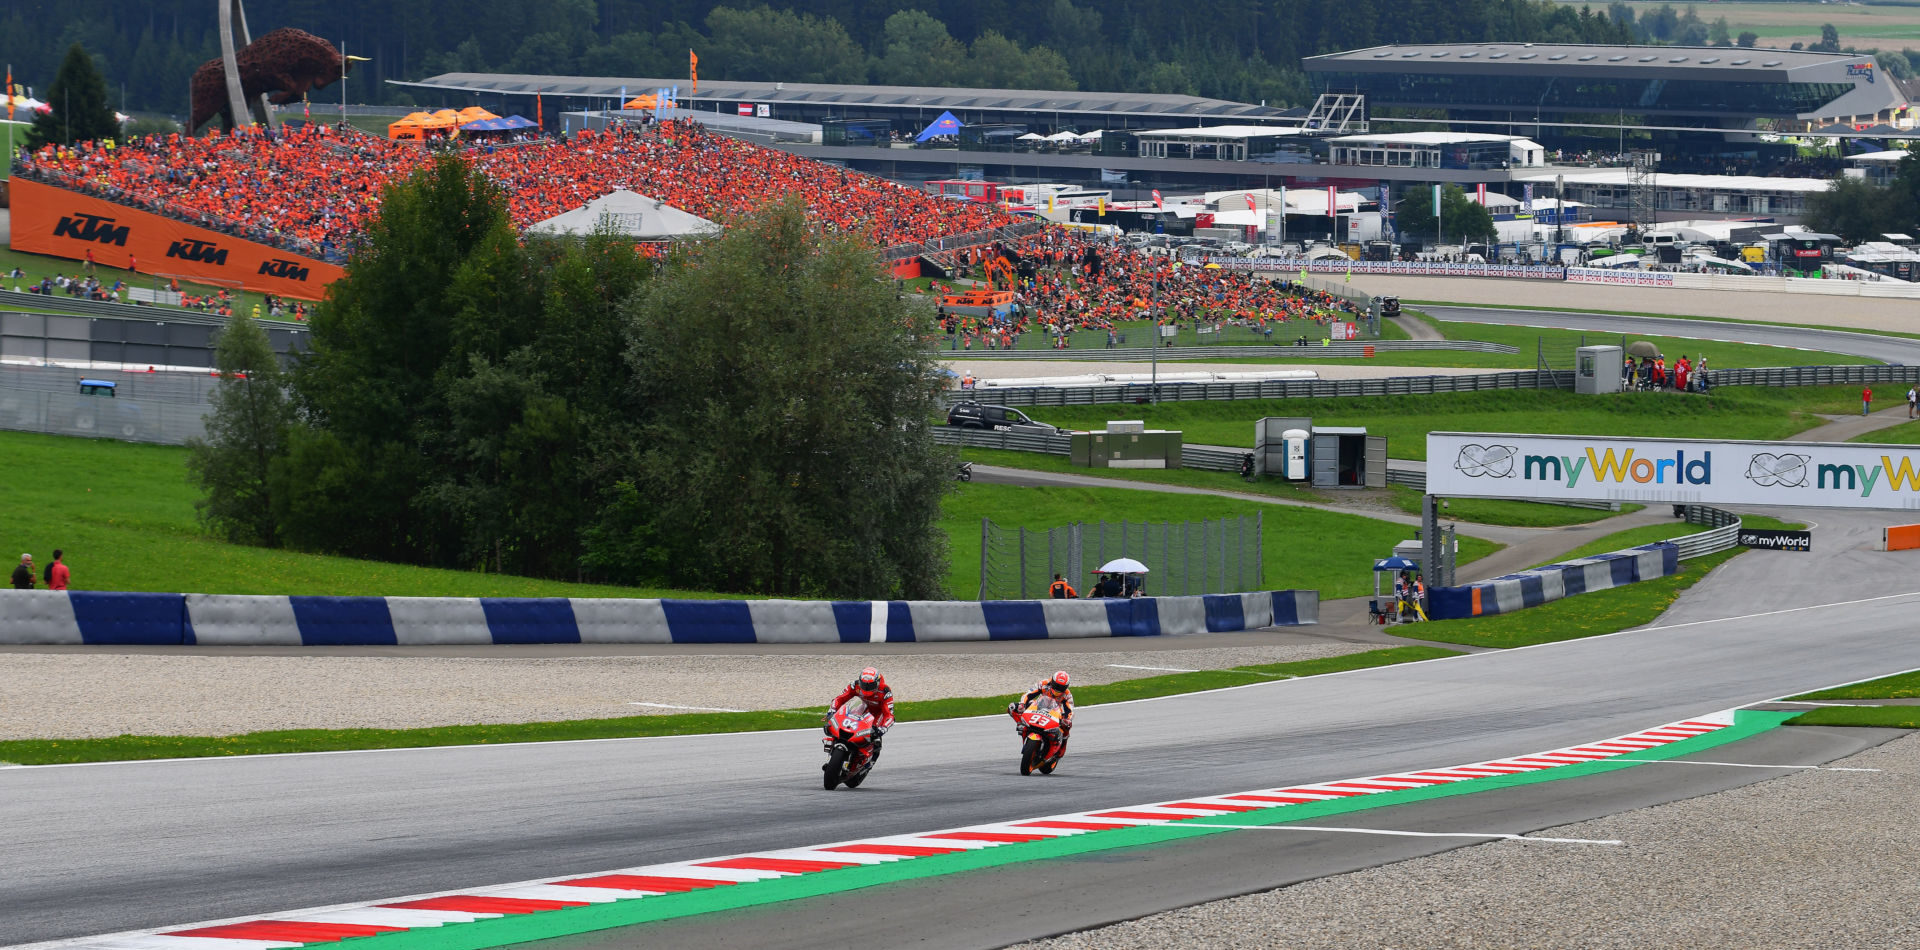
point(899, 622)
point(1135, 617)
point(1225, 613)
point(1014, 620)
point(530, 619)
point(1286, 608)
point(1450, 603)
point(854, 620)
point(709, 621)
point(1624, 572)
point(343, 621)
point(1532, 590)
point(157, 619)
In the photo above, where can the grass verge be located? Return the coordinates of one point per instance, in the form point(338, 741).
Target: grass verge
point(1906, 433)
point(129, 748)
point(1886, 717)
point(1900, 686)
point(1519, 514)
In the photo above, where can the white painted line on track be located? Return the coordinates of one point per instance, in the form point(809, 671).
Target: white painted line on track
point(693, 708)
point(1163, 669)
point(1752, 765)
point(1502, 836)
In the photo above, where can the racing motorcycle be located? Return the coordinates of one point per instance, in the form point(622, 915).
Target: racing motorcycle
point(849, 745)
point(1042, 740)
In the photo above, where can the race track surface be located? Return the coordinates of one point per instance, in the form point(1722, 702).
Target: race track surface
point(1888, 348)
point(96, 849)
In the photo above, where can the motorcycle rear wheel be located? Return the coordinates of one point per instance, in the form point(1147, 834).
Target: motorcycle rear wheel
point(853, 781)
point(1029, 755)
point(836, 761)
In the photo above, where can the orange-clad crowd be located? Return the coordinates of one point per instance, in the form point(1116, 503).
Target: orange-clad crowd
point(313, 189)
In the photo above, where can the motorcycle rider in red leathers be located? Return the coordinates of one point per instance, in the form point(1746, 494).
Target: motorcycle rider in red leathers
point(1054, 686)
point(873, 690)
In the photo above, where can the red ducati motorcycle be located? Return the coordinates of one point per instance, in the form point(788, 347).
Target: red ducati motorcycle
point(849, 745)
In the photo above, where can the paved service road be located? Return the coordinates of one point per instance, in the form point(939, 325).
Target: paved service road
point(1889, 349)
point(96, 849)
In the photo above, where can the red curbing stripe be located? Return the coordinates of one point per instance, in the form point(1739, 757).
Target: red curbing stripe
point(783, 865)
point(1323, 791)
point(475, 904)
point(1420, 781)
point(1376, 786)
point(902, 850)
point(1148, 815)
point(998, 837)
point(1076, 825)
point(1526, 765)
point(1279, 799)
point(645, 882)
point(1704, 725)
point(297, 930)
point(1196, 806)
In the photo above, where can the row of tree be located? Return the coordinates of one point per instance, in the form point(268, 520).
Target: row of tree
point(1247, 50)
point(750, 416)
point(1859, 210)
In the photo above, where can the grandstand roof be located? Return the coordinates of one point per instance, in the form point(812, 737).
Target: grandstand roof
point(1620, 177)
point(1219, 132)
point(819, 94)
point(1674, 62)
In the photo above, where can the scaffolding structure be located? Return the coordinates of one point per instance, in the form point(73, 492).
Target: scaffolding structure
point(1642, 168)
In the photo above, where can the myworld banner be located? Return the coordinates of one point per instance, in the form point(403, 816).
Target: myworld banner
point(1678, 471)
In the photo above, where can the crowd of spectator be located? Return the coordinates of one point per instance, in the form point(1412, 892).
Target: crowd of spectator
point(313, 189)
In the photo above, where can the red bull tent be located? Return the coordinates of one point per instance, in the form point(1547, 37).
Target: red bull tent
point(945, 125)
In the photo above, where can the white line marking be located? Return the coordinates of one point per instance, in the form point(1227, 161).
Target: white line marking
point(1750, 765)
point(1413, 834)
point(694, 708)
point(1864, 703)
point(1163, 669)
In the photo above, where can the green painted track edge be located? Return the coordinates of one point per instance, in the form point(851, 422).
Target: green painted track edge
point(501, 931)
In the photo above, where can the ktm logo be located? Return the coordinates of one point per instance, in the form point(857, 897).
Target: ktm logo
point(287, 270)
point(193, 249)
point(91, 227)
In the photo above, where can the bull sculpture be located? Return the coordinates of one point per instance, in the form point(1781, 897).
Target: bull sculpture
point(285, 64)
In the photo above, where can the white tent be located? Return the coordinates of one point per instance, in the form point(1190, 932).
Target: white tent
point(1031, 137)
point(1093, 136)
point(625, 212)
point(1063, 137)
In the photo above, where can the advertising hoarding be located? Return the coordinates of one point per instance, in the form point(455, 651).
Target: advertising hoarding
point(1677, 471)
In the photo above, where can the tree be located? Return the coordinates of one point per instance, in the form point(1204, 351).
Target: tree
point(1747, 39)
point(1718, 33)
point(787, 447)
point(246, 433)
point(1829, 40)
point(1860, 211)
point(1462, 219)
point(766, 44)
point(79, 100)
point(918, 51)
point(1000, 63)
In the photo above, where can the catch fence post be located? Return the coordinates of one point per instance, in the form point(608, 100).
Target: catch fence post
point(985, 526)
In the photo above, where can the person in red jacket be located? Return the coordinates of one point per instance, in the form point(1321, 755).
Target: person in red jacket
point(871, 688)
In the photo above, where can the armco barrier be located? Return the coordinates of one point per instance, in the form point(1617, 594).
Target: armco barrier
point(1555, 581)
point(84, 617)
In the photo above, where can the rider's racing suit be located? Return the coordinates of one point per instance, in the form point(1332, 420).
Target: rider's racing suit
point(1064, 698)
point(880, 704)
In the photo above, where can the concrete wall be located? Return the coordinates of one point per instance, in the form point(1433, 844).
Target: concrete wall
point(1555, 581)
point(86, 617)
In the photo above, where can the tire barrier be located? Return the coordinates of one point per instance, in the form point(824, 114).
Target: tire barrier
point(1553, 582)
point(86, 617)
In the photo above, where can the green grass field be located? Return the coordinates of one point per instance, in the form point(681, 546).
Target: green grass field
point(1898, 686)
point(1906, 433)
point(1729, 413)
point(1303, 547)
point(130, 747)
point(1520, 514)
point(1780, 22)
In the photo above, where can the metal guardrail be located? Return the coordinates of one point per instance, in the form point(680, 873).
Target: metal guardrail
point(1212, 460)
point(1265, 389)
point(1813, 375)
point(1723, 534)
point(76, 307)
point(1011, 441)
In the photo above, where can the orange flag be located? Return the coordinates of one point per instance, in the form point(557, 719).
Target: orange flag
point(693, 71)
point(9, 92)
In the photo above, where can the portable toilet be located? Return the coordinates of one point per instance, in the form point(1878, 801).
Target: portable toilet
point(1271, 448)
point(1597, 369)
point(1294, 442)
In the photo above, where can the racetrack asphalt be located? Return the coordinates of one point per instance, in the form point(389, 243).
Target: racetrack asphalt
point(179, 841)
point(1871, 345)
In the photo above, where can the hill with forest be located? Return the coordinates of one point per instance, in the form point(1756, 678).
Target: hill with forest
point(1247, 50)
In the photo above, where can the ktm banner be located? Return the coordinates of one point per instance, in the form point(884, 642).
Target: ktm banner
point(61, 223)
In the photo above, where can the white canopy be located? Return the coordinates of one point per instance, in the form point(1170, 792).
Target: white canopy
point(1063, 137)
point(1031, 137)
point(634, 215)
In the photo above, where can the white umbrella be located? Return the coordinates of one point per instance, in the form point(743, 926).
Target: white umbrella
point(1031, 137)
point(1095, 134)
point(1063, 137)
point(1123, 565)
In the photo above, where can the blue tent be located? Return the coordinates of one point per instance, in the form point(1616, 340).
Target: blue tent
point(486, 125)
point(945, 125)
point(1395, 563)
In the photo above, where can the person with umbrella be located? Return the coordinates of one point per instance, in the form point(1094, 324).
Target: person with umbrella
point(1121, 577)
point(1647, 352)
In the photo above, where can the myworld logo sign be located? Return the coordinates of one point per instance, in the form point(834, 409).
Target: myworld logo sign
point(1590, 468)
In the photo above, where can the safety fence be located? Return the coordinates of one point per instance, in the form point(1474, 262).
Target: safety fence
point(1011, 441)
point(1833, 287)
point(1190, 557)
point(126, 418)
point(1343, 267)
point(1266, 389)
point(85, 617)
point(1239, 351)
point(1552, 582)
point(1813, 375)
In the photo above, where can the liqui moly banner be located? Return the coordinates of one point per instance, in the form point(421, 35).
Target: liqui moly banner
point(1676, 471)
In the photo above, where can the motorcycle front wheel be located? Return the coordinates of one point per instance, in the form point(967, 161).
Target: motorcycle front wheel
point(1029, 755)
point(836, 760)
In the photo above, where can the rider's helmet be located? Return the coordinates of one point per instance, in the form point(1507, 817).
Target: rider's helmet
point(869, 683)
point(1057, 683)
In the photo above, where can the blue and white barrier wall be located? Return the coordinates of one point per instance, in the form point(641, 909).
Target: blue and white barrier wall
point(85, 617)
point(1555, 581)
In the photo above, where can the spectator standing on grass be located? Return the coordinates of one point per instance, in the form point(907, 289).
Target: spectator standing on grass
point(1866, 400)
point(1913, 399)
point(57, 572)
point(23, 573)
